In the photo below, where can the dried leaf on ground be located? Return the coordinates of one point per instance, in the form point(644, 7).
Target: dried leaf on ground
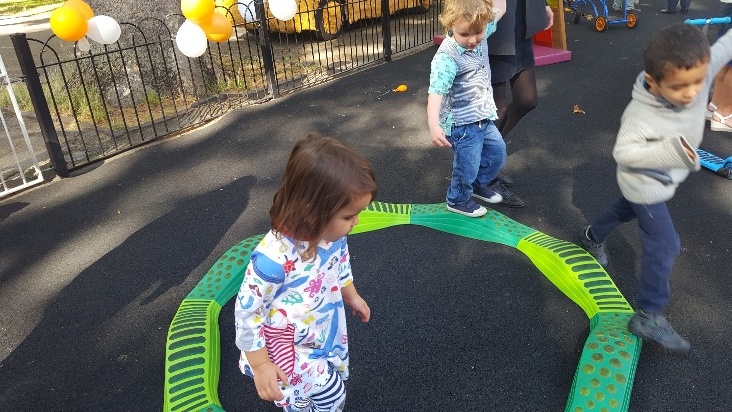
point(577, 109)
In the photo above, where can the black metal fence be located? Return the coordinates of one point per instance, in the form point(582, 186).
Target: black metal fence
point(97, 103)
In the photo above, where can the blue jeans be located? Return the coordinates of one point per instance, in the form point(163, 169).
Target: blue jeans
point(659, 241)
point(479, 155)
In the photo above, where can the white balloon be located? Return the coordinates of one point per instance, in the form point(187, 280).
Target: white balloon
point(103, 29)
point(191, 39)
point(83, 44)
point(283, 9)
point(247, 10)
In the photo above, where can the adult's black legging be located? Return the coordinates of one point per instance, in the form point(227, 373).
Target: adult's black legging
point(524, 99)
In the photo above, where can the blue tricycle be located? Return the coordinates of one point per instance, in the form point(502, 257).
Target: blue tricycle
point(582, 7)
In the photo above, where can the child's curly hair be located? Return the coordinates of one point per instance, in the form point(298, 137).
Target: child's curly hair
point(477, 13)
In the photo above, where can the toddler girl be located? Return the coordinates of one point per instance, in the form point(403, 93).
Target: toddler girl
point(289, 313)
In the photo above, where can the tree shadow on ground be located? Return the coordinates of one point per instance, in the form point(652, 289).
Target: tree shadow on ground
point(91, 334)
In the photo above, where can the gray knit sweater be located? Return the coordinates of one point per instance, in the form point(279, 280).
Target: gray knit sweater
point(649, 149)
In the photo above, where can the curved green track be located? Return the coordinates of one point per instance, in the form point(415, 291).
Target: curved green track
point(604, 376)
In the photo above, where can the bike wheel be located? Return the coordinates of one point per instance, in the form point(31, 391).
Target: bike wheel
point(601, 24)
point(330, 17)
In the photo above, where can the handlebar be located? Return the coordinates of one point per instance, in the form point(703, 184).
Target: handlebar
point(713, 20)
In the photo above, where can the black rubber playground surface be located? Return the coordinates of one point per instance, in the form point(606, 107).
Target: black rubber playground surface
point(93, 267)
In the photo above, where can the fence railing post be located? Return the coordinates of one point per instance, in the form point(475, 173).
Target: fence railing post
point(265, 46)
point(40, 105)
point(386, 28)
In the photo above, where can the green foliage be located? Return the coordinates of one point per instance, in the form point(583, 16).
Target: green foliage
point(22, 97)
point(16, 6)
point(153, 97)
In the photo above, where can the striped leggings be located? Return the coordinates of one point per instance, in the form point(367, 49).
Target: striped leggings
point(330, 398)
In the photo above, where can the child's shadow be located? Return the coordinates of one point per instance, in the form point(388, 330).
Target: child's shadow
point(595, 189)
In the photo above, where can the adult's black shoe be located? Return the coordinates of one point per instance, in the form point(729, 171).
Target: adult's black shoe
point(509, 198)
point(507, 181)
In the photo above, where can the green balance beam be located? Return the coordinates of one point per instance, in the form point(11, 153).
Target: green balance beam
point(604, 376)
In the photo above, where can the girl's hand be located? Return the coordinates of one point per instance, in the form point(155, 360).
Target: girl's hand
point(265, 379)
point(360, 307)
point(356, 302)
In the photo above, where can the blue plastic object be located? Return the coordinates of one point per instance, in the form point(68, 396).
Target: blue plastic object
point(716, 164)
point(706, 22)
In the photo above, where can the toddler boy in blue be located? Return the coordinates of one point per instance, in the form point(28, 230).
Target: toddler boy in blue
point(460, 105)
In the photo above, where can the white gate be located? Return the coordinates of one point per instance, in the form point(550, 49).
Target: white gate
point(18, 163)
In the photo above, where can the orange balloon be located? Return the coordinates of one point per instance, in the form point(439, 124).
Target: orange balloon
point(197, 10)
point(68, 23)
point(81, 6)
point(401, 88)
point(217, 28)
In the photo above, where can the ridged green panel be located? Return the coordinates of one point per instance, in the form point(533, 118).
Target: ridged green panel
point(575, 272)
point(380, 215)
point(192, 358)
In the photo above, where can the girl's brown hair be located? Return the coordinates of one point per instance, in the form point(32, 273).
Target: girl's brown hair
point(477, 13)
point(321, 177)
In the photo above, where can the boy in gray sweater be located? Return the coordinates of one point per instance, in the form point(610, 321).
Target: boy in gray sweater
point(655, 150)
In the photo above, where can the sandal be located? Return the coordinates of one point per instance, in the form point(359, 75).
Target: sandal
point(720, 125)
point(711, 108)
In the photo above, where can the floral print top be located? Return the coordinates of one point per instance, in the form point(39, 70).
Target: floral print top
point(294, 308)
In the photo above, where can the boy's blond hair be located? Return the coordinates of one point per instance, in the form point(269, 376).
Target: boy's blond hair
point(477, 13)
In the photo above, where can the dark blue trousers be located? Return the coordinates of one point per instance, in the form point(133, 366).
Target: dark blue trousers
point(659, 241)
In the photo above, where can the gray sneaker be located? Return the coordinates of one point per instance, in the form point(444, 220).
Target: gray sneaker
point(655, 327)
point(596, 249)
point(508, 181)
